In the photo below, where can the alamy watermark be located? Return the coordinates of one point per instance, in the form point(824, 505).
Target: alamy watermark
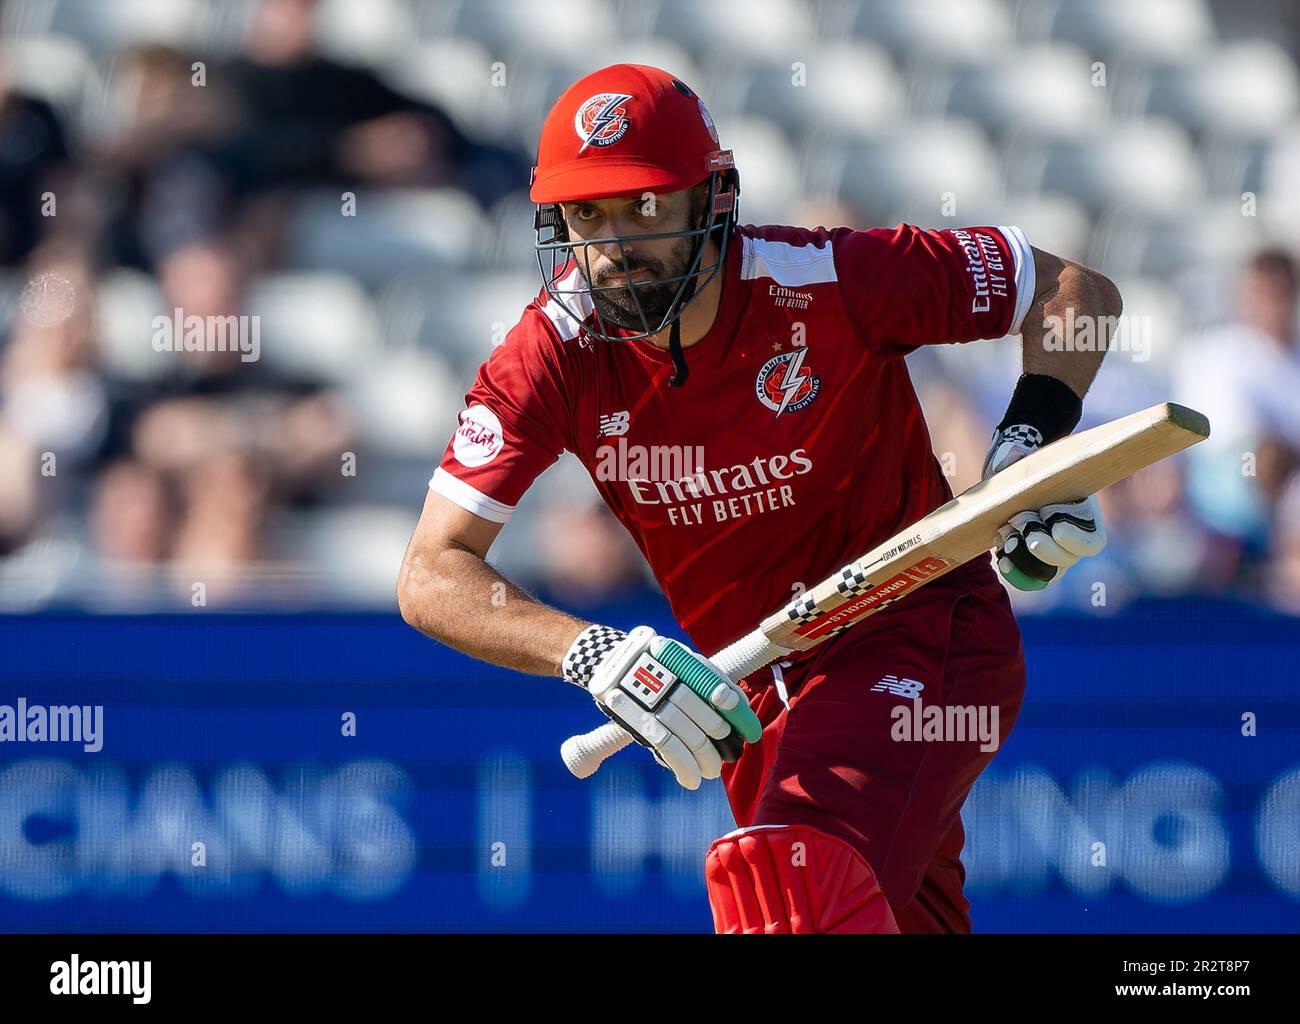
point(915, 722)
point(56, 723)
point(1096, 333)
point(77, 977)
point(192, 333)
point(657, 462)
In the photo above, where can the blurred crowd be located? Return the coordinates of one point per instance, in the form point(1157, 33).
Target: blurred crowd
point(262, 160)
point(149, 488)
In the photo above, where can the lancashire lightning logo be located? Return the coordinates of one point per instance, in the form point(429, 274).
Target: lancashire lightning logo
point(784, 385)
point(602, 120)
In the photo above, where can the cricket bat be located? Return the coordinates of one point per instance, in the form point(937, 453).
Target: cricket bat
point(1066, 470)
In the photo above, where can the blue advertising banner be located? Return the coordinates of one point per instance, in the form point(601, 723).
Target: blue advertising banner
point(343, 773)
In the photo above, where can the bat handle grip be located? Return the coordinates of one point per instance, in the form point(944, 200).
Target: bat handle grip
point(585, 753)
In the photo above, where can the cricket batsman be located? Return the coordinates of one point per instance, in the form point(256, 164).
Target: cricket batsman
point(776, 353)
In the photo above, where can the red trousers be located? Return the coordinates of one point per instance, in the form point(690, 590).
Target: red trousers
point(832, 754)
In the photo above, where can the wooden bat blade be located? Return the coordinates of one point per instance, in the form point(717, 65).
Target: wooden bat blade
point(1067, 470)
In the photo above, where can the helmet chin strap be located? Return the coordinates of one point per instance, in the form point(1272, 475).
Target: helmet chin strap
point(680, 370)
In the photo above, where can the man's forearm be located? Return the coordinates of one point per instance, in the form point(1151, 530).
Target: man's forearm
point(1068, 328)
point(458, 599)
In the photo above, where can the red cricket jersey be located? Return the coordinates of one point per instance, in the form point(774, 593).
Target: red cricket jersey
point(798, 442)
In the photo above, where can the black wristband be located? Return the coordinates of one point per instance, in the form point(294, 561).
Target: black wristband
point(1048, 405)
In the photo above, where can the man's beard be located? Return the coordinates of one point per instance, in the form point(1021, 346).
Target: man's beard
point(616, 305)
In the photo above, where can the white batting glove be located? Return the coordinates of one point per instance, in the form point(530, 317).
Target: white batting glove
point(672, 700)
point(1038, 545)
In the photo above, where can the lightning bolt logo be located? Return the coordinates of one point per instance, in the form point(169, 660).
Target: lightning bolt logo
point(597, 115)
point(793, 380)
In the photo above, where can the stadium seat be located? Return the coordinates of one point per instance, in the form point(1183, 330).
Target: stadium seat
point(105, 27)
point(927, 28)
point(354, 552)
point(1152, 29)
point(1053, 223)
point(368, 33)
point(1140, 165)
point(1162, 247)
point(1045, 91)
point(1151, 328)
point(392, 232)
point(1235, 165)
point(12, 283)
point(916, 164)
point(126, 301)
point(456, 75)
point(851, 88)
point(1245, 89)
point(459, 317)
point(733, 30)
point(405, 403)
point(508, 26)
point(1279, 203)
point(769, 171)
point(58, 70)
point(399, 480)
point(320, 325)
point(511, 246)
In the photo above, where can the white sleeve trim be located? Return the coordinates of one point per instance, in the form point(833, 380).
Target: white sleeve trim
point(471, 499)
point(1025, 283)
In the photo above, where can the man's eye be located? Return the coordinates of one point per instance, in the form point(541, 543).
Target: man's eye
point(585, 213)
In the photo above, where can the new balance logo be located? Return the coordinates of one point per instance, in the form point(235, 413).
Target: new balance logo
point(899, 687)
point(615, 424)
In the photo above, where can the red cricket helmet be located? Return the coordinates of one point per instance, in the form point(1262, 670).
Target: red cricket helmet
point(628, 130)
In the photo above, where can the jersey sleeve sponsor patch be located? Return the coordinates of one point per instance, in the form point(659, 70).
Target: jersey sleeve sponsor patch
point(479, 438)
point(906, 286)
point(513, 426)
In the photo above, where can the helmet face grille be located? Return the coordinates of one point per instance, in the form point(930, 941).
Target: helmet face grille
point(565, 265)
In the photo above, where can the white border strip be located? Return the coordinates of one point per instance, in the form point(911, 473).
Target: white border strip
point(1025, 283)
point(787, 263)
point(471, 499)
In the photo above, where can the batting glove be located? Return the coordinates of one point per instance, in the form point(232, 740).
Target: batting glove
point(1038, 545)
point(672, 700)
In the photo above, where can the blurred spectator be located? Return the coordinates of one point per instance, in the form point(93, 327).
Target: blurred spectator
point(204, 279)
point(290, 419)
point(1245, 376)
point(166, 157)
point(18, 493)
point(225, 510)
point(1283, 570)
point(308, 119)
point(51, 388)
point(131, 517)
point(32, 152)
